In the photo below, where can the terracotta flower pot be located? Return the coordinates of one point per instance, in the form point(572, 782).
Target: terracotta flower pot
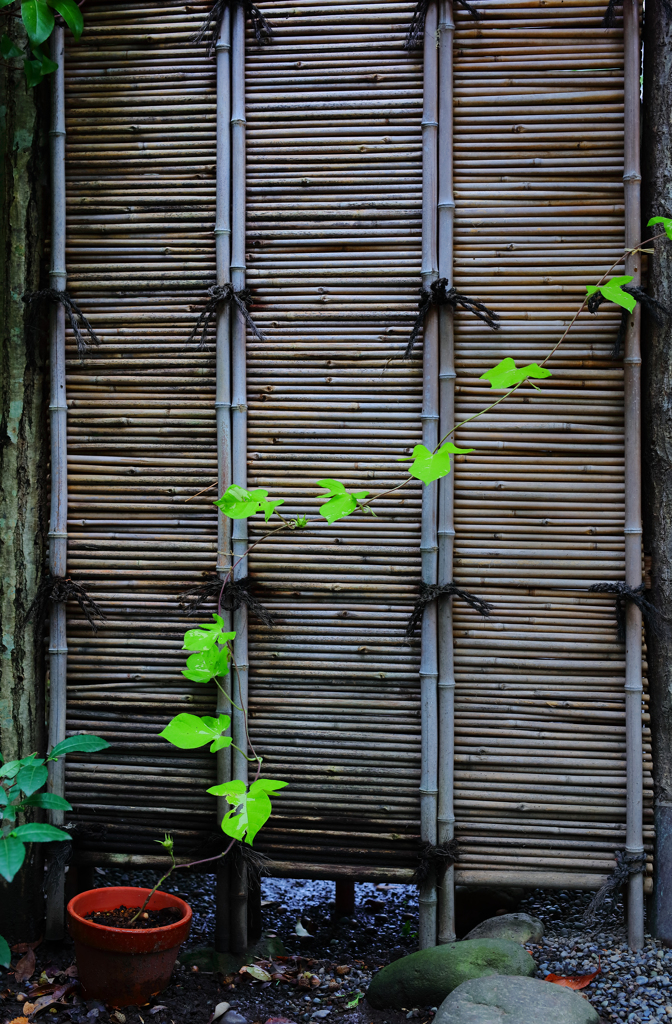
point(124, 966)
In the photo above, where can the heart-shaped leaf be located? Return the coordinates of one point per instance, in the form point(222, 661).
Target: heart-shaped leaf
point(190, 731)
point(250, 809)
point(665, 221)
point(237, 503)
point(613, 292)
point(8, 49)
point(428, 466)
point(506, 374)
point(342, 502)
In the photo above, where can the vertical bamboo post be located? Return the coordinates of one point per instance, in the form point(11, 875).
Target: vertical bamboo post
point(239, 443)
point(634, 845)
point(446, 531)
point(430, 417)
point(58, 522)
point(223, 414)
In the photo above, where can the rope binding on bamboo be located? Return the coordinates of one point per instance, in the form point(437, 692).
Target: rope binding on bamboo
point(626, 864)
point(63, 588)
point(416, 31)
point(75, 316)
point(655, 309)
point(223, 294)
point(263, 30)
point(431, 591)
point(234, 594)
point(435, 859)
point(625, 593)
point(439, 294)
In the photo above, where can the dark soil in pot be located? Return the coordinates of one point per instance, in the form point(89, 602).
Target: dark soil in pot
point(122, 917)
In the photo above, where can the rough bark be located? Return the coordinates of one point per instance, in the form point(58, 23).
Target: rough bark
point(23, 453)
point(657, 450)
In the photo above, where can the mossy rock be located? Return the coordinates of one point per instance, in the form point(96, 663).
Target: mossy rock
point(425, 978)
point(517, 927)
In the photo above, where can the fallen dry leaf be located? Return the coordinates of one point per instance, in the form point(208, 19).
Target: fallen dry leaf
point(71, 972)
point(157, 1009)
point(54, 997)
point(256, 972)
point(344, 969)
point(218, 1011)
point(23, 947)
point(19, 1020)
point(575, 981)
point(25, 968)
point(118, 1016)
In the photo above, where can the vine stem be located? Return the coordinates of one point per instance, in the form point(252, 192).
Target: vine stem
point(176, 867)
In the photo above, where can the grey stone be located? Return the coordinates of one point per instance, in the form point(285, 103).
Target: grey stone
point(507, 1000)
point(425, 978)
point(231, 1017)
point(517, 927)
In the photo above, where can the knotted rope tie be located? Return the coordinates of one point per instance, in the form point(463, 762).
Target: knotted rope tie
point(235, 594)
point(431, 591)
point(625, 593)
point(73, 312)
point(435, 858)
point(655, 309)
point(626, 864)
point(439, 294)
point(223, 294)
point(62, 588)
point(262, 28)
point(416, 31)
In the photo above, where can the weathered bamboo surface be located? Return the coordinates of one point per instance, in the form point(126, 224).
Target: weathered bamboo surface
point(333, 261)
point(540, 720)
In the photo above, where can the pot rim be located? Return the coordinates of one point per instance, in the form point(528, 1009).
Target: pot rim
point(164, 929)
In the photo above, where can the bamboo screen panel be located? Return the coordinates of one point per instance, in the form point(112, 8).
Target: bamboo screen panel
point(540, 714)
point(141, 423)
point(334, 178)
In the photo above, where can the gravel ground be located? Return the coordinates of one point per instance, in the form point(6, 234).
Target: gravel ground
point(340, 957)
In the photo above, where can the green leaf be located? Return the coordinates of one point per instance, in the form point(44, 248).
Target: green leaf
point(665, 221)
point(205, 665)
point(12, 854)
point(506, 374)
point(11, 768)
point(167, 842)
point(38, 20)
point(32, 778)
point(49, 801)
point(33, 72)
point(189, 731)
point(3, 797)
point(71, 15)
point(82, 743)
point(47, 65)
point(223, 741)
point(38, 833)
point(199, 639)
point(428, 466)
point(5, 3)
point(250, 810)
point(5, 953)
point(237, 503)
point(8, 49)
point(353, 1002)
point(613, 291)
point(9, 812)
point(342, 502)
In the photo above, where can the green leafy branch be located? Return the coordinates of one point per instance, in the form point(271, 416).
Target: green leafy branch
point(38, 20)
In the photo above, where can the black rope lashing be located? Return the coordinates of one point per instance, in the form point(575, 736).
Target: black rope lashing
point(625, 593)
point(235, 594)
point(416, 31)
point(435, 858)
point(655, 309)
point(263, 30)
point(626, 864)
point(62, 588)
point(439, 294)
point(73, 312)
point(223, 294)
point(431, 591)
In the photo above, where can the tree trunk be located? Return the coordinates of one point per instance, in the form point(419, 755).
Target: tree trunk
point(23, 450)
point(657, 440)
